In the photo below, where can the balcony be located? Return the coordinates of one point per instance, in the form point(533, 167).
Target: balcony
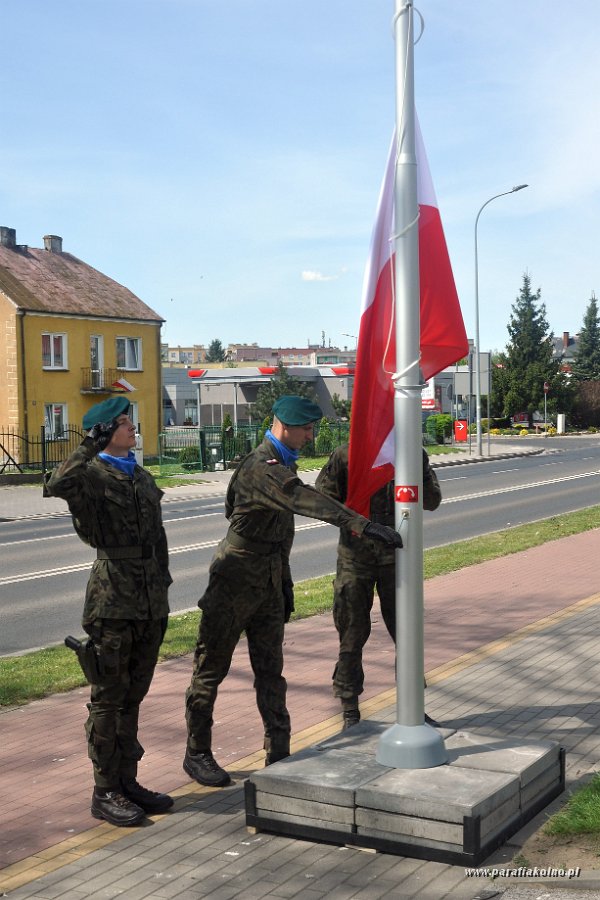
point(100, 381)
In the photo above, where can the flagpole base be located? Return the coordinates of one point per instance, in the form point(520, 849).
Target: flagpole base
point(411, 747)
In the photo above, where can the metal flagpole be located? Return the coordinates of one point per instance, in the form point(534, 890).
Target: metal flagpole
point(410, 743)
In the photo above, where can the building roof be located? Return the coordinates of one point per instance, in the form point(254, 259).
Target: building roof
point(53, 282)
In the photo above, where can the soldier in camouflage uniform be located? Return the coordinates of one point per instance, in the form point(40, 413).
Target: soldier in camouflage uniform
point(250, 586)
point(363, 566)
point(115, 506)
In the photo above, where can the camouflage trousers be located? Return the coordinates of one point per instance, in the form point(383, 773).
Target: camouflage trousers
point(358, 574)
point(227, 611)
point(127, 651)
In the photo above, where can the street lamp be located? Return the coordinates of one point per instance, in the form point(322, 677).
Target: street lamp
point(518, 187)
point(345, 334)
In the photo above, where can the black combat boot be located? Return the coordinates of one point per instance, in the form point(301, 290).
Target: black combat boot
point(350, 712)
point(114, 807)
point(203, 768)
point(149, 801)
point(276, 750)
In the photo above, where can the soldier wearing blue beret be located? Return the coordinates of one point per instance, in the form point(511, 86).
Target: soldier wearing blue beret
point(115, 506)
point(250, 585)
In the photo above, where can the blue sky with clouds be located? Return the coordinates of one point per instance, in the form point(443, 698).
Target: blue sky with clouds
point(223, 158)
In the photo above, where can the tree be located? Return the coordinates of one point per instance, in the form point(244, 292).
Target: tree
point(342, 408)
point(215, 352)
point(586, 365)
point(280, 384)
point(528, 363)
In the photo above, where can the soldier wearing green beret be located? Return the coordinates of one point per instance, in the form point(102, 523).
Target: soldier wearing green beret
point(250, 585)
point(115, 506)
point(362, 567)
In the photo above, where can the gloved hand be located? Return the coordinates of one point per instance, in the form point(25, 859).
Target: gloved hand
point(288, 599)
point(383, 533)
point(102, 433)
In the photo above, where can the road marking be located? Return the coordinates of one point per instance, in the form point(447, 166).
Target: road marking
point(519, 487)
point(81, 567)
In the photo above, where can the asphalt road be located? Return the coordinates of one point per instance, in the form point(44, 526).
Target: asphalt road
point(44, 566)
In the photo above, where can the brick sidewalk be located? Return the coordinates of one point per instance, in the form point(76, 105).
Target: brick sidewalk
point(45, 779)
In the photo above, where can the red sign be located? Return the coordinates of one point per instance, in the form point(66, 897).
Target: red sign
point(546, 387)
point(407, 493)
point(461, 431)
point(196, 373)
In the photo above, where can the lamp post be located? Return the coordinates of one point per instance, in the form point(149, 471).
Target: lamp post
point(518, 187)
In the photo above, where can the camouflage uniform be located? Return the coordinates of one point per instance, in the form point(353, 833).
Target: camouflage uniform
point(245, 591)
point(126, 608)
point(362, 567)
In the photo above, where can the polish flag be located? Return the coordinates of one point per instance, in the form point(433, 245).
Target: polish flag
point(123, 384)
point(443, 336)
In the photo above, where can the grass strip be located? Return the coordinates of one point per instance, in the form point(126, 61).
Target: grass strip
point(54, 670)
point(580, 814)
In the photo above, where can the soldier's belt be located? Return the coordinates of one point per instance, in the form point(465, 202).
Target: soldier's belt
point(262, 548)
point(141, 551)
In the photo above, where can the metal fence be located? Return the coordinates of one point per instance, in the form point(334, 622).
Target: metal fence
point(211, 447)
point(24, 453)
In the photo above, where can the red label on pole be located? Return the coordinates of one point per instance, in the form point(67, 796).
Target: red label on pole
point(546, 387)
point(407, 493)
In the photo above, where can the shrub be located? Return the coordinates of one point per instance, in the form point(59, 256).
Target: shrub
point(524, 432)
point(324, 441)
point(439, 427)
point(189, 457)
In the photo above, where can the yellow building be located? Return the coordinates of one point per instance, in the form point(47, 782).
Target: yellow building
point(69, 338)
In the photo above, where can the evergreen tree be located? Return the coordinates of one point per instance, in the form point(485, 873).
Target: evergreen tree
point(281, 383)
point(215, 352)
point(528, 360)
point(586, 365)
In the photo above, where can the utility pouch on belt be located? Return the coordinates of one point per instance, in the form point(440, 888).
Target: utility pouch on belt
point(86, 656)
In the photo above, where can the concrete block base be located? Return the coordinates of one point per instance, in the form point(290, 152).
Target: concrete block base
point(336, 792)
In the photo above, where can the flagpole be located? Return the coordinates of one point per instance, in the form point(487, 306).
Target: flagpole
point(410, 743)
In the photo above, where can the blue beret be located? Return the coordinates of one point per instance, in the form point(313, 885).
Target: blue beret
point(105, 412)
point(293, 410)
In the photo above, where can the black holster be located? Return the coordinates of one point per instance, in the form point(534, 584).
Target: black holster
point(86, 656)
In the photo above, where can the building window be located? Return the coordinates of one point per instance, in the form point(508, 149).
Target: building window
point(54, 351)
point(129, 353)
point(190, 412)
point(55, 419)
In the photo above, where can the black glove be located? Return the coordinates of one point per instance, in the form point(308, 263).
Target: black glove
point(383, 533)
point(102, 433)
point(288, 599)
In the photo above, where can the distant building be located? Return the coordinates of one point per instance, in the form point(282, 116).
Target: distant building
point(205, 396)
point(183, 356)
point(565, 349)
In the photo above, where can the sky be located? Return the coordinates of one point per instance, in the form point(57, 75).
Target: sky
point(223, 158)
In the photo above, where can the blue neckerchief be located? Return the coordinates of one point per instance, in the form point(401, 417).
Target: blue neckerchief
point(123, 463)
point(288, 456)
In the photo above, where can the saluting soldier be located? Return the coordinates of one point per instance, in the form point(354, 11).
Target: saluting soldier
point(362, 567)
point(115, 506)
point(250, 585)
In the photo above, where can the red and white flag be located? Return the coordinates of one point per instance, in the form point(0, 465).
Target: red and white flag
point(443, 336)
point(123, 384)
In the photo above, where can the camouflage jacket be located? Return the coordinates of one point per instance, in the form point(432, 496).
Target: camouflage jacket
point(332, 480)
point(261, 500)
point(116, 514)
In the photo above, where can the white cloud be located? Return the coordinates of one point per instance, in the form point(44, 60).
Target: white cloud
point(308, 275)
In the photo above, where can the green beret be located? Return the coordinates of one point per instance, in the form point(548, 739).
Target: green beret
point(294, 410)
point(105, 411)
